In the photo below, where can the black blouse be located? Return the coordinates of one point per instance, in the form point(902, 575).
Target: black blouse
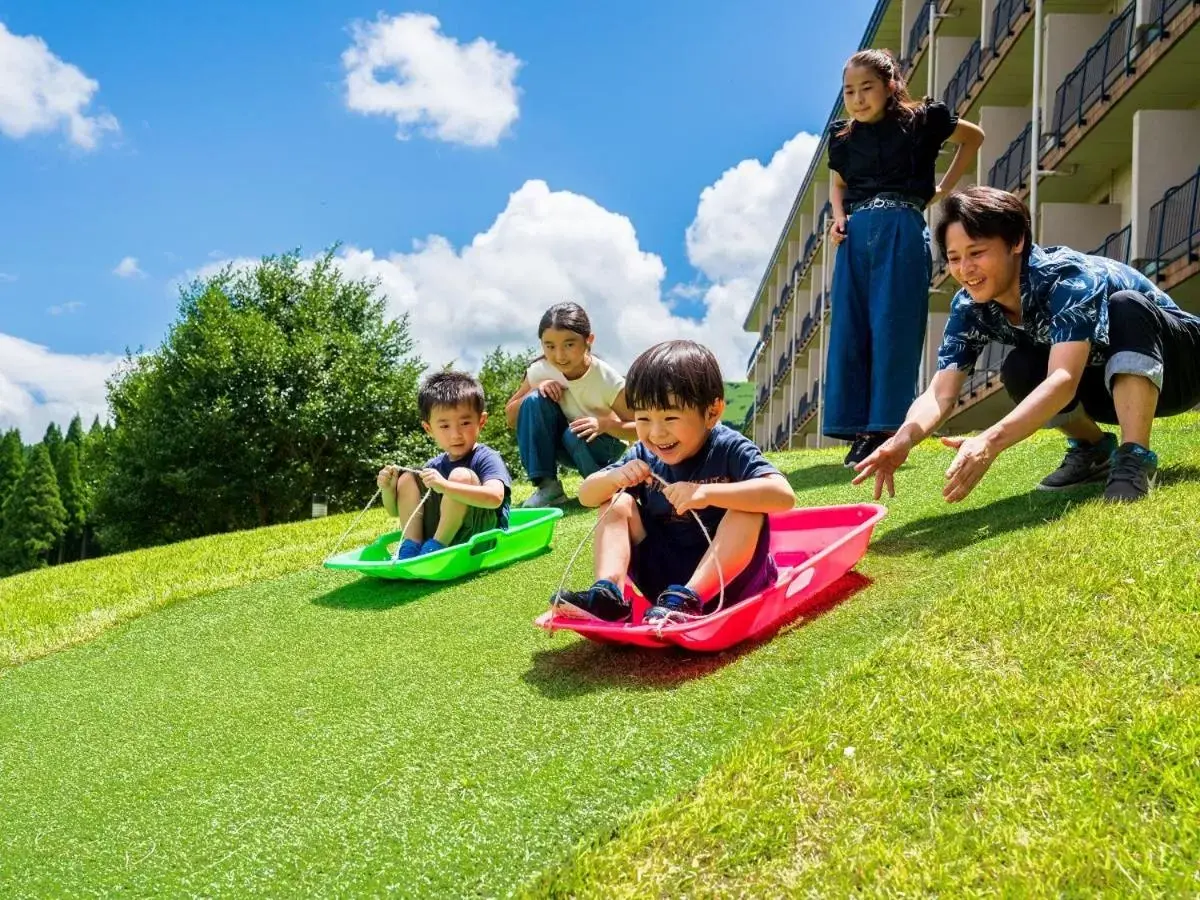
point(891, 156)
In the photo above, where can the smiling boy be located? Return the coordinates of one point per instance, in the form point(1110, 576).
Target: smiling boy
point(677, 395)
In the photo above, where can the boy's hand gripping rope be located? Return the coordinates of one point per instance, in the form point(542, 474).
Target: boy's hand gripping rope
point(672, 617)
point(371, 502)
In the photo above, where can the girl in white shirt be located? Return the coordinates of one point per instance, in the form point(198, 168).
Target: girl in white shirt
point(570, 408)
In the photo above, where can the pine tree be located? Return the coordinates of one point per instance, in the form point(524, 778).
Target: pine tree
point(34, 517)
point(12, 464)
point(53, 439)
point(73, 493)
point(93, 460)
point(75, 432)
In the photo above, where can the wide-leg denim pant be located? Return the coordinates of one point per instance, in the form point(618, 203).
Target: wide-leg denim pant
point(880, 307)
point(545, 439)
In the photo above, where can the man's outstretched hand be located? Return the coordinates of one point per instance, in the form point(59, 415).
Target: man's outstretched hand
point(975, 457)
point(883, 464)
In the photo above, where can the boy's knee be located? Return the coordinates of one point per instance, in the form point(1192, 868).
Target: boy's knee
point(749, 522)
point(621, 505)
point(407, 483)
point(462, 475)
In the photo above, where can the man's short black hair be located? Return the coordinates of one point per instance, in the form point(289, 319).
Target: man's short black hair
point(986, 212)
point(449, 389)
point(682, 374)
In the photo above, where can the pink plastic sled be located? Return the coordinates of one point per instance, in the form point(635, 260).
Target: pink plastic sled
point(812, 547)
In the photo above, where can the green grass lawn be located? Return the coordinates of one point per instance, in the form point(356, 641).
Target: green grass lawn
point(738, 397)
point(1017, 677)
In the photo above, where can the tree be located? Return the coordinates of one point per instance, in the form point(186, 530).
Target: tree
point(93, 466)
point(53, 440)
point(12, 463)
point(501, 375)
point(73, 493)
point(273, 383)
point(75, 431)
point(34, 517)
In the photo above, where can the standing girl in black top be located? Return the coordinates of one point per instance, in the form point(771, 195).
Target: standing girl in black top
point(882, 165)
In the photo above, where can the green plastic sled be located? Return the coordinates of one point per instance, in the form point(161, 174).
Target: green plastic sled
point(529, 532)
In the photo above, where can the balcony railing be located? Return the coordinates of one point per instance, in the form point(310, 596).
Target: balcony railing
point(965, 77)
point(918, 33)
point(1009, 172)
point(1004, 20)
point(1162, 12)
point(1116, 245)
point(1174, 225)
point(986, 374)
point(1107, 60)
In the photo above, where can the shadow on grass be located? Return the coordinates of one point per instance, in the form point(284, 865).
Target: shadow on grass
point(947, 532)
point(810, 478)
point(374, 594)
point(583, 666)
point(1178, 473)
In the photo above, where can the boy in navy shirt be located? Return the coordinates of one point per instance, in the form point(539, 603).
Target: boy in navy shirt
point(677, 395)
point(469, 484)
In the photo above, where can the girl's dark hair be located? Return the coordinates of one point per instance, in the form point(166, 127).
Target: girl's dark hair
point(451, 390)
point(566, 317)
point(681, 374)
point(986, 212)
point(884, 64)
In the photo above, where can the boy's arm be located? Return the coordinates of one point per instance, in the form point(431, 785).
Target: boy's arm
point(488, 495)
point(765, 494)
point(599, 487)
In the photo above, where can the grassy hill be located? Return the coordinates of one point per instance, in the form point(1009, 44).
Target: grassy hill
point(1004, 698)
point(738, 397)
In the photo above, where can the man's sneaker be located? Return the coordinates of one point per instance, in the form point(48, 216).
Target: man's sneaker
point(864, 445)
point(603, 601)
point(676, 599)
point(1134, 471)
point(549, 493)
point(1083, 464)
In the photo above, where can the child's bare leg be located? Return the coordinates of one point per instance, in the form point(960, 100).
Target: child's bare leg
point(620, 529)
point(453, 511)
point(408, 495)
point(733, 546)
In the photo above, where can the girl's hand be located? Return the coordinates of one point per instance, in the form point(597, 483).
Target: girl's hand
point(631, 474)
point(685, 496)
point(837, 231)
point(433, 480)
point(387, 477)
point(551, 390)
point(587, 428)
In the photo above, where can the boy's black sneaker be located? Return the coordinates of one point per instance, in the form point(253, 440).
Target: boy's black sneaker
point(1134, 471)
point(601, 602)
point(675, 599)
point(864, 445)
point(1084, 463)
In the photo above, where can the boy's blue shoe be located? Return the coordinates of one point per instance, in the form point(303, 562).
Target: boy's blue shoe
point(676, 599)
point(433, 545)
point(408, 549)
point(603, 601)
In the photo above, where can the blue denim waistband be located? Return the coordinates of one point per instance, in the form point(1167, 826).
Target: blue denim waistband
point(888, 201)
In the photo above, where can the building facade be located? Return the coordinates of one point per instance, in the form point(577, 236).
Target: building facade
point(1092, 115)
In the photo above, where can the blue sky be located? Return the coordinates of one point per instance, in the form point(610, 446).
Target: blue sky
point(235, 139)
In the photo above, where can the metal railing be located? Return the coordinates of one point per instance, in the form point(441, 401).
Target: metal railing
point(965, 77)
point(1116, 245)
point(1162, 12)
point(986, 374)
point(918, 34)
point(1174, 225)
point(1107, 60)
point(1009, 172)
point(1004, 20)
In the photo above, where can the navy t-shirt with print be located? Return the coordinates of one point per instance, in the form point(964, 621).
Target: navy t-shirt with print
point(487, 466)
point(1064, 298)
point(726, 456)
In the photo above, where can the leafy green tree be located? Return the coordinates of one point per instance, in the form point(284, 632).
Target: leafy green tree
point(274, 383)
point(73, 493)
point(53, 440)
point(75, 431)
point(34, 517)
point(500, 375)
point(93, 465)
point(12, 463)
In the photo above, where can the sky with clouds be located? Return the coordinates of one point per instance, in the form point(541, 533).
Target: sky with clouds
point(480, 160)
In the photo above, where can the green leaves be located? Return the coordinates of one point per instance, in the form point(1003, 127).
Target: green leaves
point(34, 516)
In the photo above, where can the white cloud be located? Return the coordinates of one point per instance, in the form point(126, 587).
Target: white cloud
point(459, 93)
point(128, 268)
point(39, 386)
point(69, 307)
point(7, 278)
point(39, 92)
point(739, 218)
